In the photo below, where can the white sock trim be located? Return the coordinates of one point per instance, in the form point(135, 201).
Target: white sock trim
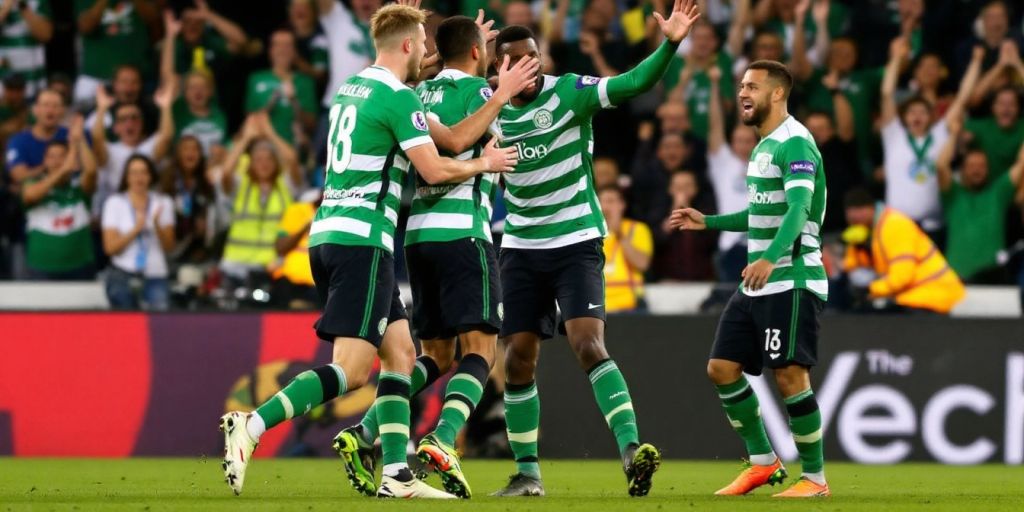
point(393, 469)
point(255, 426)
point(818, 478)
point(763, 459)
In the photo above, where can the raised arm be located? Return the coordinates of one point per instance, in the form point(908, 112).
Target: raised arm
point(716, 119)
point(464, 134)
point(99, 129)
point(956, 109)
point(799, 64)
point(150, 15)
point(86, 161)
point(39, 26)
point(898, 51)
point(944, 161)
point(227, 177)
point(1009, 61)
point(285, 151)
point(90, 18)
point(172, 27)
point(164, 98)
point(819, 52)
point(738, 28)
point(845, 128)
point(37, 191)
point(556, 32)
point(232, 33)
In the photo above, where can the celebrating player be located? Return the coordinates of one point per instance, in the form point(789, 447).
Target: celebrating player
point(551, 250)
point(452, 265)
point(377, 127)
point(772, 321)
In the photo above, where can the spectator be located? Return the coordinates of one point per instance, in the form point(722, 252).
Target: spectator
point(727, 170)
point(994, 21)
point(1000, 135)
point(683, 255)
point(13, 108)
point(25, 150)
point(293, 279)
point(888, 257)
point(1007, 72)
point(112, 157)
point(26, 28)
point(127, 89)
point(650, 177)
point(926, 81)
point(138, 230)
point(687, 78)
point(201, 40)
point(911, 139)
point(113, 33)
point(836, 142)
point(59, 241)
point(348, 42)
point(784, 17)
point(288, 97)
point(261, 185)
point(975, 209)
point(606, 172)
point(518, 12)
point(196, 218)
point(198, 114)
point(598, 52)
point(627, 254)
point(312, 59)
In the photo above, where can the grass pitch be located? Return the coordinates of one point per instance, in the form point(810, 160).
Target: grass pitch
point(585, 486)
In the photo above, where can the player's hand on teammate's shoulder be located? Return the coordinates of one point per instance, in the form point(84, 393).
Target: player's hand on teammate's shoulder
point(687, 219)
point(684, 15)
point(500, 159)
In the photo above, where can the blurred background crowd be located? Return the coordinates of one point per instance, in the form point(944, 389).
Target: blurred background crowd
point(174, 149)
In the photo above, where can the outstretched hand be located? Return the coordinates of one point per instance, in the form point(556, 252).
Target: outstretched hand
point(687, 219)
point(684, 15)
point(485, 27)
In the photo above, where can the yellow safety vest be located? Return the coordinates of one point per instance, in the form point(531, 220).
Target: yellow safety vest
point(254, 224)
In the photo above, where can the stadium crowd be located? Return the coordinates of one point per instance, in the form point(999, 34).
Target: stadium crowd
point(182, 163)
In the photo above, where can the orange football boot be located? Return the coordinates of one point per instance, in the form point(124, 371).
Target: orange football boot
point(804, 488)
point(753, 477)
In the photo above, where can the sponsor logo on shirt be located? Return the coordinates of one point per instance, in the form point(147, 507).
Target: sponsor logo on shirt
point(755, 197)
point(586, 81)
point(531, 152)
point(419, 121)
point(543, 119)
point(801, 167)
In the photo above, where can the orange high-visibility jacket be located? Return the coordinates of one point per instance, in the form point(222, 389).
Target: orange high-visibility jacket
point(912, 270)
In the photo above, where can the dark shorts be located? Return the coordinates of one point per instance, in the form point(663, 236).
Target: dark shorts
point(771, 331)
point(357, 287)
point(455, 288)
point(534, 280)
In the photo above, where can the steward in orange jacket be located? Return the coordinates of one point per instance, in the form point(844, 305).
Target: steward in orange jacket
point(908, 268)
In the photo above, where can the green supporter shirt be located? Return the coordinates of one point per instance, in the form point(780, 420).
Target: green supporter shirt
point(550, 196)
point(786, 197)
point(861, 88)
point(20, 53)
point(58, 238)
point(698, 91)
point(452, 211)
point(1000, 145)
point(977, 222)
point(120, 38)
point(211, 130)
point(208, 54)
point(264, 92)
point(374, 119)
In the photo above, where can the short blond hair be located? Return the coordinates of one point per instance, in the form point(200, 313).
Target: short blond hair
point(393, 21)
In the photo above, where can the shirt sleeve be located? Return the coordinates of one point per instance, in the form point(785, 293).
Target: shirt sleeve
point(800, 166)
point(16, 155)
point(109, 219)
point(166, 212)
point(477, 94)
point(407, 120)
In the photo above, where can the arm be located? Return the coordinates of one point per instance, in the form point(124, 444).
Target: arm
point(1017, 172)
point(822, 39)
point(35, 192)
point(287, 241)
point(716, 120)
point(591, 47)
point(171, 29)
point(150, 15)
point(21, 172)
point(164, 98)
point(738, 28)
point(555, 35)
point(944, 161)
point(898, 51)
point(231, 32)
point(639, 79)
point(437, 169)
point(902, 264)
point(114, 242)
point(88, 165)
point(39, 26)
point(845, 129)
point(955, 112)
point(90, 18)
point(99, 130)
point(636, 257)
point(799, 167)
point(763, 12)
point(228, 168)
point(164, 231)
point(799, 64)
point(736, 221)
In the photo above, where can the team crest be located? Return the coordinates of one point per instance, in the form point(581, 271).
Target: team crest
point(419, 121)
point(763, 161)
point(542, 119)
point(501, 311)
point(382, 326)
point(486, 93)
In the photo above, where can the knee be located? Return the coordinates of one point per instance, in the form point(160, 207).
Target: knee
point(484, 346)
point(723, 372)
point(520, 364)
point(792, 380)
point(356, 374)
point(442, 352)
point(589, 349)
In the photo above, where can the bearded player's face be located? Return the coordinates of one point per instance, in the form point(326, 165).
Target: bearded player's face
point(755, 97)
point(516, 51)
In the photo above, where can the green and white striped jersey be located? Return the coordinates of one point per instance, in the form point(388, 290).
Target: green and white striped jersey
point(785, 159)
point(20, 52)
point(374, 119)
point(452, 211)
point(550, 195)
point(59, 238)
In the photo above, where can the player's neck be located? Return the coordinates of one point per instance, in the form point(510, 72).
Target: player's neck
point(393, 63)
point(775, 118)
point(468, 67)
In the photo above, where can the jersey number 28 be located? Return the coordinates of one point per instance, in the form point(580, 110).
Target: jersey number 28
point(339, 152)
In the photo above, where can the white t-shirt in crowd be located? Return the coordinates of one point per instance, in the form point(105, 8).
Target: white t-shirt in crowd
point(911, 186)
point(344, 39)
point(118, 214)
point(110, 173)
point(728, 174)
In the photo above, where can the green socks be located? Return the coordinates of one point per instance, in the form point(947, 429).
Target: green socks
point(805, 424)
point(462, 396)
point(392, 407)
point(423, 374)
point(522, 415)
point(307, 390)
point(744, 412)
point(613, 398)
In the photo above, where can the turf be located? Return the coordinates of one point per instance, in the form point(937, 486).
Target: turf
point(315, 484)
